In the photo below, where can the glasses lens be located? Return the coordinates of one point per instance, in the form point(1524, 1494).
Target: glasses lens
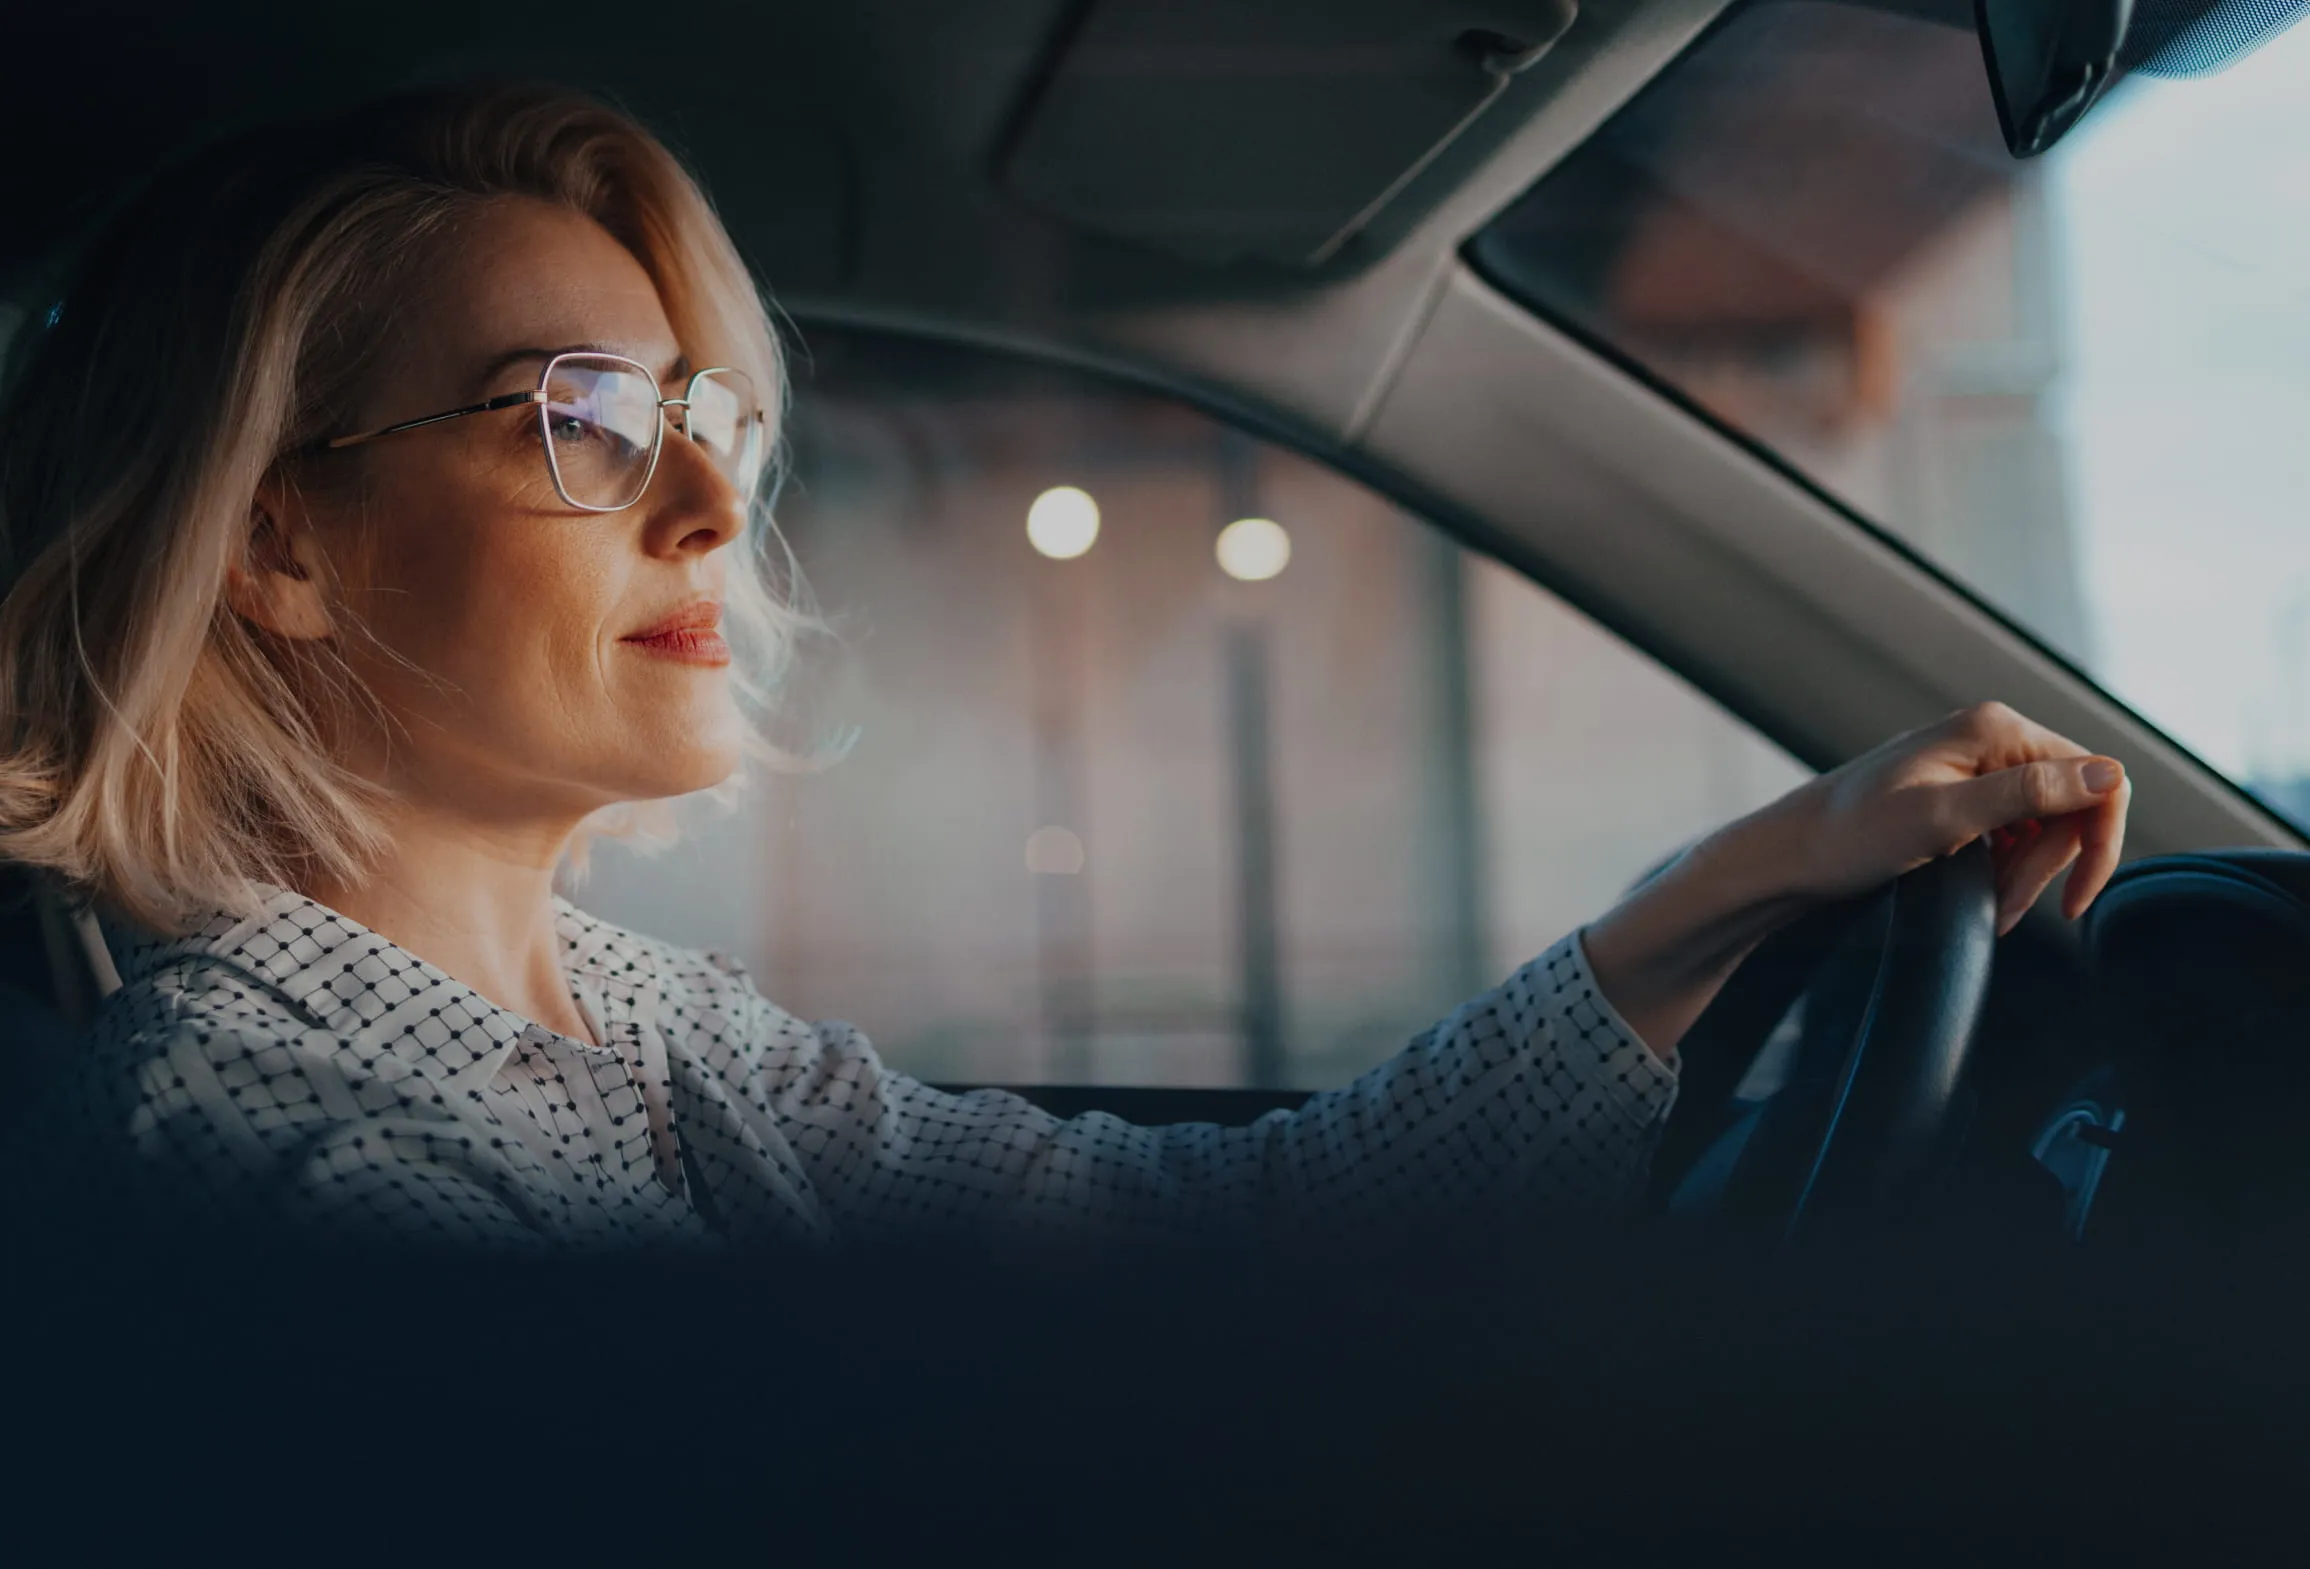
point(601, 429)
point(725, 418)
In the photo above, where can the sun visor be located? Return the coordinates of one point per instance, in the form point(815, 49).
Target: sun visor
point(1216, 130)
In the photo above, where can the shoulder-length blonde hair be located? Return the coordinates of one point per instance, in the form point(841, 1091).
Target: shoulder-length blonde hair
point(155, 750)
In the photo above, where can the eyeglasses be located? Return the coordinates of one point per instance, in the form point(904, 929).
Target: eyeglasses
point(602, 424)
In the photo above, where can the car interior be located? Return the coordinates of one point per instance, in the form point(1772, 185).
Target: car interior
point(1391, 241)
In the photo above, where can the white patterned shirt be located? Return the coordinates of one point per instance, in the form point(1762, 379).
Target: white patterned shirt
point(299, 1062)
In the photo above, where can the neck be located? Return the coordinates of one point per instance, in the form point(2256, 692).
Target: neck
point(475, 902)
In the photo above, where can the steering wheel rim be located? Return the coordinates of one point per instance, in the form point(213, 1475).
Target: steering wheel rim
point(1894, 986)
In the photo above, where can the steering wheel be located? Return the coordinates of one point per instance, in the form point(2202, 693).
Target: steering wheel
point(1892, 988)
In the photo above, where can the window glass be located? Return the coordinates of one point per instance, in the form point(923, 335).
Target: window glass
point(1114, 815)
point(2077, 384)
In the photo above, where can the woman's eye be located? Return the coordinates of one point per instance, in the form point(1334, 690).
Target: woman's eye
point(568, 427)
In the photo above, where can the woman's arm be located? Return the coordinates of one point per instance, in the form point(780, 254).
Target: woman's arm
point(1551, 1086)
point(1533, 1092)
point(1665, 951)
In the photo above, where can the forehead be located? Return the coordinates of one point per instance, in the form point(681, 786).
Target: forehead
point(519, 273)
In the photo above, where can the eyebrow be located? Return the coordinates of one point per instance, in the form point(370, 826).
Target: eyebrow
point(676, 369)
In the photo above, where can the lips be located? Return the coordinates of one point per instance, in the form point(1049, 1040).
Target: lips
point(690, 635)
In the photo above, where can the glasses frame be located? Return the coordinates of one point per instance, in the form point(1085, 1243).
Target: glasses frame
point(539, 396)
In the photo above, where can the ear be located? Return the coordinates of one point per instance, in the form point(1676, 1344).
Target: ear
point(277, 582)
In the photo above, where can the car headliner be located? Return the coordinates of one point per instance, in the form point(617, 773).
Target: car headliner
point(856, 150)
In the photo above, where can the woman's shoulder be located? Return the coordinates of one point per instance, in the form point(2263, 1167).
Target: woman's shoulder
point(237, 972)
point(191, 1042)
point(267, 997)
point(188, 1057)
point(198, 999)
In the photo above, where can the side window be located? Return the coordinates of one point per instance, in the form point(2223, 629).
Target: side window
point(1179, 760)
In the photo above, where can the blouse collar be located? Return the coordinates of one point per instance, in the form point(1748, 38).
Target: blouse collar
point(348, 980)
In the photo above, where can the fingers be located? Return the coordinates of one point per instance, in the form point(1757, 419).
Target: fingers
point(2045, 789)
point(1999, 737)
point(2047, 803)
point(2049, 814)
point(2029, 867)
point(2101, 843)
point(2030, 737)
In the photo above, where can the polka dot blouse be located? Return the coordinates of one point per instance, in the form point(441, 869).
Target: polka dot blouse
point(299, 1061)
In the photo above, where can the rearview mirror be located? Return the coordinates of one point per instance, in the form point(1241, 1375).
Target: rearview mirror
point(2049, 61)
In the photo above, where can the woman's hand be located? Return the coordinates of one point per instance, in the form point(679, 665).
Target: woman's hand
point(2045, 802)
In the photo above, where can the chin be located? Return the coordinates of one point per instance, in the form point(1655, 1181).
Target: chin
point(698, 770)
point(688, 749)
point(657, 767)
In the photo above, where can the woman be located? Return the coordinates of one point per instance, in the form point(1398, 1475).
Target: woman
point(383, 514)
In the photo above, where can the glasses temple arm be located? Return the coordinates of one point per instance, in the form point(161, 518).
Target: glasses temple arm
point(507, 401)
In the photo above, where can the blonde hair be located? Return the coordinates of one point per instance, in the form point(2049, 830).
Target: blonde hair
point(156, 751)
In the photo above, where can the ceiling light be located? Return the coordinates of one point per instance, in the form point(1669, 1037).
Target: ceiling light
point(1253, 549)
point(1063, 522)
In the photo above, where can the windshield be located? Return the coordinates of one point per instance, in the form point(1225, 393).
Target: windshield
point(2078, 385)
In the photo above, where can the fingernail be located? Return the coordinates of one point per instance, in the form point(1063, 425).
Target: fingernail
point(2101, 776)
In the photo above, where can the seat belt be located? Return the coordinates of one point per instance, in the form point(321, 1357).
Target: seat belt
point(81, 973)
point(701, 1197)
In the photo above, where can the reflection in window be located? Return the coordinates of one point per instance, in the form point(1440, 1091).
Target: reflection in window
point(1245, 783)
point(2073, 383)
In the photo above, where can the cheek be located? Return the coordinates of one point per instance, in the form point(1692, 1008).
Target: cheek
point(491, 629)
point(500, 616)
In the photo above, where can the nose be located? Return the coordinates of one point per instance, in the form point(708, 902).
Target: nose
point(691, 507)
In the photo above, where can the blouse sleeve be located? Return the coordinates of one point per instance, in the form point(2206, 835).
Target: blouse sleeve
point(1535, 1091)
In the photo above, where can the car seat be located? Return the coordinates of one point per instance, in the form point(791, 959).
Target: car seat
point(54, 971)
